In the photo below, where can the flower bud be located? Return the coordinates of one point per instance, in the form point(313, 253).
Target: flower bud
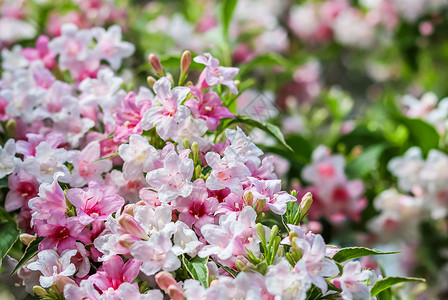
point(196, 152)
point(151, 81)
point(185, 61)
point(248, 198)
point(40, 291)
point(26, 238)
point(186, 143)
point(260, 205)
point(164, 279)
point(239, 265)
point(175, 293)
point(154, 61)
point(130, 225)
point(62, 281)
point(127, 240)
point(305, 204)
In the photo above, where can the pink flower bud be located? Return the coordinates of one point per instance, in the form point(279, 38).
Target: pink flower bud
point(130, 225)
point(164, 279)
point(156, 64)
point(185, 61)
point(127, 240)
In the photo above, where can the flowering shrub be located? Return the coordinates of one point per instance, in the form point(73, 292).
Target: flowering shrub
point(270, 160)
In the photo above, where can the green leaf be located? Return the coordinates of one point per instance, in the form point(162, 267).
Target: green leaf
point(4, 182)
point(227, 269)
point(421, 134)
point(228, 7)
point(265, 60)
point(387, 282)
point(30, 252)
point(355, 252)
point(267, 127)
point(197, 268)
point(8, 236)
point(366, 162)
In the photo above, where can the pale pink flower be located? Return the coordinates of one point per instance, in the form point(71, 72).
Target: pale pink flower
point(85, 291)
point(185, 240)
point(234, 234)
point(110, 46)
point(286, 284)
point(174, 179)
point(227, 172)
point(243, 146)
point(139, 156)
point(52, 266)
point(87, 166)
point(155, 253)
point(28, 148)
point(166, 112)
point(207, 106)
point(213, 74)
point(100, 90)
point(314, 264)
point(352, 282)
point(51, 198)
point(22, 187)
point(270, 192)
point(8, 162)
point(94, 202)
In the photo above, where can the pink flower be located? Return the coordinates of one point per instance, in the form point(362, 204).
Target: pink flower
point(232, 236)
point(227, 172)
point(110, 47)
point(208, 107)
point(52, 266)
point(352, 281)
point(94, 202)
point(8, 162)
point(288, 285)
point(270, 191)
point(22, 187)
point(198, 208)
point(86, 291)
point(114, 272)
point(213, 74)
point(166, 113)
point(41, 52)
point(166, 282)
point(174, 179)
point(314, 263)
point(139, 156)
point(129, 116)
point(51, 198)
point(59, 232)
point(87, 166)
point(156, 254)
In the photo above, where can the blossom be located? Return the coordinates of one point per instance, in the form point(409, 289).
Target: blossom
point(314, 263)
point(207, 106)
point(213, 74)
point(85, 290)
point(52, 266)
point(156, 253)
point(198, 208)
point(8, 162)
point(286, 284)
point(113, 273)
point(185, 240)
point(129, 116)
point(166, 112)
point(243, 146)
point(139, 156)
point(87, 166)
point(100, 90)
point(174, 179)
point(94, 202)
point(352, 281)
point(41, 52)
point(22, 187)
point(110, 46)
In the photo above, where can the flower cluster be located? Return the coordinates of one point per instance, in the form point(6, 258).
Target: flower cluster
point(143, 195)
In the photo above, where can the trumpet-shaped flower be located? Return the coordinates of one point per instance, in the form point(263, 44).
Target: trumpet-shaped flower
point(213, 74)
point(166, 113)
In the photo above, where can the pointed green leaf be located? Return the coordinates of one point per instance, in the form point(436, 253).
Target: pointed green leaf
point(197, 268)
point(228, 7)
point(30, 252)
point(355, 252)
point(387, 282)
point(8, 236)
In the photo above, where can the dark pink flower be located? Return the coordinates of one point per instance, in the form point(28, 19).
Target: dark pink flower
point(208, 107)
point(41, 52)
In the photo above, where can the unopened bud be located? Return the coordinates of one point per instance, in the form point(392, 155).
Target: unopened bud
point(248, 198)
point(260, 205)
point(197, 171)
point(151, 81)
point(239, 265)
point(294, 193)
point(26, 238)
point(127, 240)
point(131, 226)
point(185, 61)
point(154, 61)
point(186, 143)
point(175, 293)
point(292, 235)
point(274, 232)
point(261, 232)
point(61, 282)
point(164, 279)
point(196, 152)
point(305, 204)
point(40, 291)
